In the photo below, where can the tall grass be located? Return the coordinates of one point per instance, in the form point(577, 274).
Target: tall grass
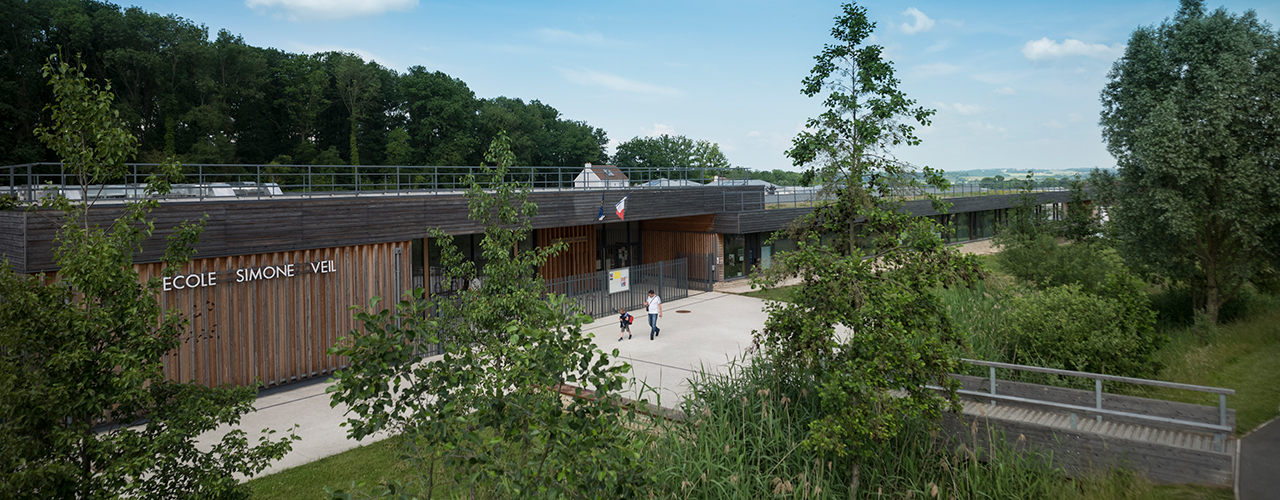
point(744, 438)
point(1242, 355)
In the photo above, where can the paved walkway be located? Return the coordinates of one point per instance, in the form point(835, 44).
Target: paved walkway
point(1260, 463)
point(715, 329)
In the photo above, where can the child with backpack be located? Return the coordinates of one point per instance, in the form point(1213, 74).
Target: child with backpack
point(626, 320)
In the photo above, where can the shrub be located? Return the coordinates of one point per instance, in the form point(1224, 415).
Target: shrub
point(1042, 261)
point(1064, 327)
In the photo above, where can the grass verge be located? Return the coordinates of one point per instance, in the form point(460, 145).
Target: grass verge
point(373, 463)
point(1240, 355)
point(779, 293)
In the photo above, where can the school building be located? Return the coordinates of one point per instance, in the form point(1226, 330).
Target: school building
point(287, 250)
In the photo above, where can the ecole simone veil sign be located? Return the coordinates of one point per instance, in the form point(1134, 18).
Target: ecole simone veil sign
point(212, 278)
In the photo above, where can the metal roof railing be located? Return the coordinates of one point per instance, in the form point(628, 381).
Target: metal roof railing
point(35, 180)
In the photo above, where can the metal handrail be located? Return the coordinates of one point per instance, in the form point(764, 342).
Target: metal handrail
point(1103, 376)
point(29, 181)
point(1222, 393)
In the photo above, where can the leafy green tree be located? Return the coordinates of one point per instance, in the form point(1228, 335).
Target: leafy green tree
point(487, 408)
point(1190, 115)
point(199, 98)
point(657, 155)
point(441, 118)
point(399, 152)
point(358, 86)
point(865, 321)
point(85, 408)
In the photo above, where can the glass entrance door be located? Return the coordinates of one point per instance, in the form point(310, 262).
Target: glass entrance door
point(735, 256)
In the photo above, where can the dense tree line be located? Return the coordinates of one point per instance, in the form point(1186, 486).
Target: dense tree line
point(219, 100)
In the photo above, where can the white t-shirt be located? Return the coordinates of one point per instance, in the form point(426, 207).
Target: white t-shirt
point(653, 302)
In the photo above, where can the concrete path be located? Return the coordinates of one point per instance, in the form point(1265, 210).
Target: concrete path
point(703, 332)
point(716, 329)
point(1259, 474)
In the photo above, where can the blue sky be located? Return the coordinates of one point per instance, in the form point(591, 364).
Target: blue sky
point(1016, 84)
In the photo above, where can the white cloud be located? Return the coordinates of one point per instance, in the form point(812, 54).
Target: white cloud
point(935, 69)
point(659, 130)
point(922, 22)
point(961, 109)
point(562, 36)
point(1045, 48)
point(615, 82)
point(985, 128)
point(1005, 91)
point(328, 10)
point(938, 47)
point(1071, 118)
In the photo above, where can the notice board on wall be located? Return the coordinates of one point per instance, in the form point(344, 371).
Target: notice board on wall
point(619, 280)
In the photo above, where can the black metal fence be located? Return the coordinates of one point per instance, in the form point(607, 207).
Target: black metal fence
point(669, 279)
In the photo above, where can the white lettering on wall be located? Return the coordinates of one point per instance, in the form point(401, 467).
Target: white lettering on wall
point(184, 281)
point(197, 280)
point(324, 266)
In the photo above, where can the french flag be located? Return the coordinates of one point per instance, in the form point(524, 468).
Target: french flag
point(621, 206)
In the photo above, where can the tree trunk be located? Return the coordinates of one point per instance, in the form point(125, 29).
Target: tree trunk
point(855, 472)
point(355, 153)
point(1213, 298)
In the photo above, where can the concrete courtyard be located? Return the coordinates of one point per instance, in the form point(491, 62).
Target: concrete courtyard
point(705, 331)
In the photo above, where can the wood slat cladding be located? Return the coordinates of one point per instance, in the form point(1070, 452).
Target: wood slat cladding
point(693, 223)
point(658, 246)
point(278, 329)
point(579, 258)
point(13, 244)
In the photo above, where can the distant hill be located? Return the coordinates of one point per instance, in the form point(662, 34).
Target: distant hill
point(1011, 173)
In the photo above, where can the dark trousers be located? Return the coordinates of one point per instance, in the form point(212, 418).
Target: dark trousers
point(653, 324)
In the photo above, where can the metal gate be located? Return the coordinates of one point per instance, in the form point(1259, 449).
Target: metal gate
point(669, 279)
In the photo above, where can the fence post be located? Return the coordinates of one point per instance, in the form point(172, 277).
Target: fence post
point(1097, 392)
point(1222, 409)
point(660, 278)
point(992, 371)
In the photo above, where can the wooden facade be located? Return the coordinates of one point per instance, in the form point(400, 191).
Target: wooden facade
point(271, 331)
point(579, 258)
point(659, 246)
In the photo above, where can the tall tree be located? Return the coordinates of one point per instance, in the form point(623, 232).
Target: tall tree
point(85, 409)
point(441, 118)
point(656, 155)
point(358, 86)
point(1191, 115)
point(865, 321)
point(486, 409)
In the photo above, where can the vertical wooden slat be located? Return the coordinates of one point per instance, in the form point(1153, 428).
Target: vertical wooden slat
point(273, 331)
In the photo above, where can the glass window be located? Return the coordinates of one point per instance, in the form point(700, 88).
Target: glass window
point(734, 255)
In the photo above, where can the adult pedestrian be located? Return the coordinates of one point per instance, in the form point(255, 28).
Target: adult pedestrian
point(654, 305)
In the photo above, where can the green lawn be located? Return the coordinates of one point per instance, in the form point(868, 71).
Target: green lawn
point(779, 293)
point(372, 464)
point(1243, 356)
